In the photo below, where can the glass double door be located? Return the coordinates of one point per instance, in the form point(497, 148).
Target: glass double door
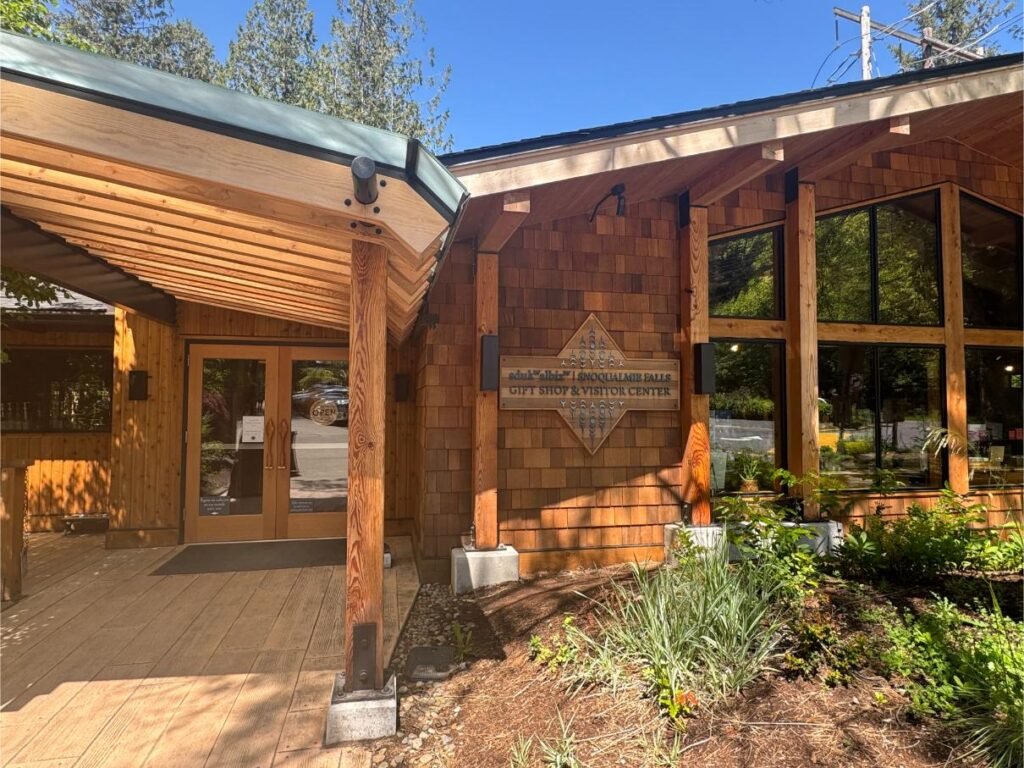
point(266, 442)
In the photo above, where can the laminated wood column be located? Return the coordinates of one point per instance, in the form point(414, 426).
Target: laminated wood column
point(485, 414)
point(801, 331)
point(695, 410)
point(367, 369)
point(953, 311)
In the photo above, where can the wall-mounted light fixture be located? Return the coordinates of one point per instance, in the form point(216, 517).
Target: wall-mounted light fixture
point(618, 192)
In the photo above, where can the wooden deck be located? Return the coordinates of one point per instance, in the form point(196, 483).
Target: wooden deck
point(106, 664)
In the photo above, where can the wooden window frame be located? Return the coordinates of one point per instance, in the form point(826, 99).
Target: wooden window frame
point(782, 406)
point(978, 200)
point(872, 209)
point(777, 231)
point(877, 409)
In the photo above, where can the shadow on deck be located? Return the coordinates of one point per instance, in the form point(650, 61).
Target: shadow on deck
point(107, 662)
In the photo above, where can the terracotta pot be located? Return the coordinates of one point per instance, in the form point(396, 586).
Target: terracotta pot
point(749, 486)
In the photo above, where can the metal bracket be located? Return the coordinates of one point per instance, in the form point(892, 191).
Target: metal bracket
point(364, 657)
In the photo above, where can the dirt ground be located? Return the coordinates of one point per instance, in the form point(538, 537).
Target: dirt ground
point(500, 696)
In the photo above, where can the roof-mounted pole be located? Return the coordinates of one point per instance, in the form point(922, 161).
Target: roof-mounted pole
point(364, 180)
point(865, 42)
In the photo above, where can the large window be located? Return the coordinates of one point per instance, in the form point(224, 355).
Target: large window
point(990, 241)
point(880, 264)
point(995, 426)
point(743, 275)
point(56, 390)
point(877, 405)
point(746, 416)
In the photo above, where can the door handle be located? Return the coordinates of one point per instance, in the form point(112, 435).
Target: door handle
point(268, 444)
point(282, 462)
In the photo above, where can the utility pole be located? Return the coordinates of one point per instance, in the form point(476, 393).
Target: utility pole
point(865, 42)
point(930, 45)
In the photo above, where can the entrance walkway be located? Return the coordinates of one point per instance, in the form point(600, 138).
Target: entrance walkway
point(106, 664)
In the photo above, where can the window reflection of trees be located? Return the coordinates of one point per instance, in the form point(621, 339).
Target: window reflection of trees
point(877, 406)
point(743, 275)
point(991, 242)
point(232, 388)
point(879, 264)
point(746, 413)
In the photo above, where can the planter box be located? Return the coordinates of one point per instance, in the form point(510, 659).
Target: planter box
point(86, 524)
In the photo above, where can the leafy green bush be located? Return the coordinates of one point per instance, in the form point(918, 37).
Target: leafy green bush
point(696, 633)
point(921, 546)
point(856, 447)
point(762, 533)
point(968, 670)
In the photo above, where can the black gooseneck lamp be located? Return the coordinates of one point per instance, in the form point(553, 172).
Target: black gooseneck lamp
point(619, 192)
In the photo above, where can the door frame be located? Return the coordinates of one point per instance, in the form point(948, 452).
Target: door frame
point(279, 354)
point(225, 528)
point(299, 525)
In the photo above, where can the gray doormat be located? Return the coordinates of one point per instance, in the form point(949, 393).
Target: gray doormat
point(254, 556)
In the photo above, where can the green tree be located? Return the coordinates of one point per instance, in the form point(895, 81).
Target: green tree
point(142, 32)
point(368, 73)
point(28, 17)
point(272, 53)
point(33, 18)
point(958, 22)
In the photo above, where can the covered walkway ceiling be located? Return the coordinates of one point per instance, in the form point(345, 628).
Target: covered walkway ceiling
point(209, 195)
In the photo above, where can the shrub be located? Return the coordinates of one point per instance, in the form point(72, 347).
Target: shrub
point(968, 670)
point(921, 546)
point(763, 535)
point(697, 632)
point(856, 447)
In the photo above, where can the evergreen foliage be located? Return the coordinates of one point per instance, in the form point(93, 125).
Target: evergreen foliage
point(958, 22)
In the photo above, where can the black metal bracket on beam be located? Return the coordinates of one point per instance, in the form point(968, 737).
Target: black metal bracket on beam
point(792, 184)
point(684, 209)
point(364, 657)
point(683, 212)
point(364, 180)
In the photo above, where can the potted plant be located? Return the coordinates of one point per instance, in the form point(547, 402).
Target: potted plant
point(748, 467)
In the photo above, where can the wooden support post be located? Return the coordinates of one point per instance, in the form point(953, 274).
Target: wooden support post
point(953, 310)
point(695, 410)
point(364, 574)
point(801, 331)
point(485, 415)
point(12, 526)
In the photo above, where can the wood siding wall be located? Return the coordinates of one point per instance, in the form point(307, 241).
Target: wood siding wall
point(878, 175)
point(553, 497)
point(558, 506)
point(145, 447)
point(71, 470)
point(70, 475)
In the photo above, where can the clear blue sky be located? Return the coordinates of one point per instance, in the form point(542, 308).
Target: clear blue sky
point(542, 66)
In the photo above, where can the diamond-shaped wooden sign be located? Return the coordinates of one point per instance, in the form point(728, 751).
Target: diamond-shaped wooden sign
point(590, 383)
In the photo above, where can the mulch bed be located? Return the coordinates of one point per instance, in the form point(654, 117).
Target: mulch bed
point(500, 695)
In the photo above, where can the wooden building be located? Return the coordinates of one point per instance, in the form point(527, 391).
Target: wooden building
point(523, 340)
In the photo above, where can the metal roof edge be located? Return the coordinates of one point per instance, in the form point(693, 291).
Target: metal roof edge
point(736, 109)
point(211, 107)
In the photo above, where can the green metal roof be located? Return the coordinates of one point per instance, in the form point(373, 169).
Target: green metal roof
point(211, 107)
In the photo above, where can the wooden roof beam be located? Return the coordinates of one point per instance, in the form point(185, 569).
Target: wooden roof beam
point(841, 152)
point(743, 166)
point(503, 220)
